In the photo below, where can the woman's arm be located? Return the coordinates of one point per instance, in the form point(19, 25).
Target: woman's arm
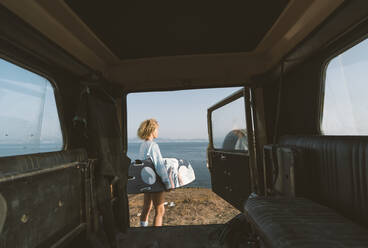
point(160, 165)
point(169, 172)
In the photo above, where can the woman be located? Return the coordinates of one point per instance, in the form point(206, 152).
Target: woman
point(147, 131)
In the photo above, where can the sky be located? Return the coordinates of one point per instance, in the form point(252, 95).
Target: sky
point(28, 112)
point(181, 114)
point(346, 86)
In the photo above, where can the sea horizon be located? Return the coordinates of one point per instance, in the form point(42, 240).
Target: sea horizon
point(194, 152)
point(168, 140)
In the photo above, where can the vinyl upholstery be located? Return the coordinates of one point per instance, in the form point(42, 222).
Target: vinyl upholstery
point(338, 171)
point(299, 222)
point(333, 211)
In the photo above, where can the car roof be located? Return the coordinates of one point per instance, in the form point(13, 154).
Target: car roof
point(168, 45)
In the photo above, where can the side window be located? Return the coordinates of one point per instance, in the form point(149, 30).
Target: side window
point(345, 105)
point(229, 127)
point(29, 121)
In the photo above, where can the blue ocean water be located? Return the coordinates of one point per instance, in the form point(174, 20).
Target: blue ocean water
point(195, 152)
point(23, 149)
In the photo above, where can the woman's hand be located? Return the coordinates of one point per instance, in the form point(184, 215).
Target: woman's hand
point(171, 182)
point(169, 172)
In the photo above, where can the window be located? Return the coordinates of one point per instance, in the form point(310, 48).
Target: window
point(345, 106)
point(229, 127)
point(29, 121)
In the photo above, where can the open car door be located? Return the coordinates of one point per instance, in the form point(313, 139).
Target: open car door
point(230, 148)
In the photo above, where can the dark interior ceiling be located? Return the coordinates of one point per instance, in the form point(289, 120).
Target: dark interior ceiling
point(141, 29)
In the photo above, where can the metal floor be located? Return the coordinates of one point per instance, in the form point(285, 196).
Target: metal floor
point(201, 236)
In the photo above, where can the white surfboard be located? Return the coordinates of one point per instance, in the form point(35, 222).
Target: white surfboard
point(180, 171)
point(143, 178)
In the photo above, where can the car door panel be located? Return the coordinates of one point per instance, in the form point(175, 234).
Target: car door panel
point(44, 196)
point(230, 177)
point(229, 159)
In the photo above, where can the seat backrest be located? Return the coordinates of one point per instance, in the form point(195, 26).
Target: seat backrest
point(338, 172)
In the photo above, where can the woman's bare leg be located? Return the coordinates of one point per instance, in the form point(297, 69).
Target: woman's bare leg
point(147, 206)
point(158, 202)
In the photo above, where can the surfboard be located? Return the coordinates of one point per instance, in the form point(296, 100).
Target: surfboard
point(142, 176)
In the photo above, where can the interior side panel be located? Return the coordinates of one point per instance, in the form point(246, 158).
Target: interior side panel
point(43, 195)
point(27, 163)
point(230, 177)
point(41, 207)
point(300, 99)
point(299, 104)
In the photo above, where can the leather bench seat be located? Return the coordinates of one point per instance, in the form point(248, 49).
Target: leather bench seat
point(299, 222)
point(337, 172)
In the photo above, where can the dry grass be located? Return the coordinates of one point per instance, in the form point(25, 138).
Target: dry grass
point(193, 206)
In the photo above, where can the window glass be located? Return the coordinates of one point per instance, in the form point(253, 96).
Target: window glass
point(229, 127)
point(345, 107)
point(29, 121)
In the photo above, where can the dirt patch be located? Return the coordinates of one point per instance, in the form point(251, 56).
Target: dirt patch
point(191, 206)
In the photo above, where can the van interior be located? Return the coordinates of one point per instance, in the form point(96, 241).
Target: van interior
point(295, 182)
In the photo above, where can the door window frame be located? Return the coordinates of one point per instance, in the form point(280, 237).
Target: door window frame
point(247, 93)
point(233, 97)
point(346, 44)
point(56, 94)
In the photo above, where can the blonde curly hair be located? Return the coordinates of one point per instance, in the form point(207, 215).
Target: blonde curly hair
point(146, 128)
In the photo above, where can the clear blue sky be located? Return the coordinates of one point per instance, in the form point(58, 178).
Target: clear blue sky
point(28, 111)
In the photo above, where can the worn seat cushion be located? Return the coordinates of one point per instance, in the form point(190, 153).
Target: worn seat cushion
point(299, 222)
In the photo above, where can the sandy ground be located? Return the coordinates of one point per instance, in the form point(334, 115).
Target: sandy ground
point(187, 206)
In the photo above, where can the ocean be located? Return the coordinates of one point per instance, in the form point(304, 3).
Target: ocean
point(195, 152)
point(19, 149)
